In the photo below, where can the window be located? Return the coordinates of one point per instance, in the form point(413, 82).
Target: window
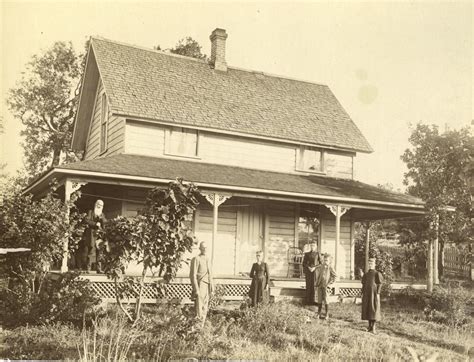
point(310, 159)
point(182, 142)
point(308, 230)
point(104, 116)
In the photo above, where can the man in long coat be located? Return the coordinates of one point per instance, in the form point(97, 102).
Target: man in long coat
point(311, 259)
point(201, 282)
point(95, 221)
point(323, 278)
point(371, 286)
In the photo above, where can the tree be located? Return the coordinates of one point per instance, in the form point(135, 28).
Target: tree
point(156, 239)
point(45, 101)
point(436, 165)
point(187, 47)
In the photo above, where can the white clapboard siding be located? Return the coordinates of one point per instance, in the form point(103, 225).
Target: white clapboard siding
point(115, 132)
point(338, 165)
point(244, 152)
point(144, 139)
point(225, 247)
point(149, 139)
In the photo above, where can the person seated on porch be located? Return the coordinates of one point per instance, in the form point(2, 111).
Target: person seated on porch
point(95, 220)
point(371, 286)
point(310, 260)
point(260, 277)
point(324, 277)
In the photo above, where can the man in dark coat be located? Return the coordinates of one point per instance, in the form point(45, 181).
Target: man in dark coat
point(371, 286)
point(311, 259)
point(95, 221)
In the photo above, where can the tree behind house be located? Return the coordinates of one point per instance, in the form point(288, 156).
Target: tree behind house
point(187, 47)
point(45, 102)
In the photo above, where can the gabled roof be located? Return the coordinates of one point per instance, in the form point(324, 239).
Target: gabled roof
point(164, 87)
point(153, 170)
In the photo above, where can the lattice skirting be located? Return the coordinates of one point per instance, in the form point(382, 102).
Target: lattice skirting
point(350, 292)
point(169, 291)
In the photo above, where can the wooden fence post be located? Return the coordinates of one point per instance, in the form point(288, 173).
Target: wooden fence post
point(429, 284)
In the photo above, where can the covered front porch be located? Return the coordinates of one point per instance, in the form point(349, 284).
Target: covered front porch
point(242, 211)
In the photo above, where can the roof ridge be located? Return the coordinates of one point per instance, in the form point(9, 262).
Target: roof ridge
point(156, 51)
point(268, 74)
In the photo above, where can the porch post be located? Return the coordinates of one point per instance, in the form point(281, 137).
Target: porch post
point(435, 251)
point(215, 200)
point(352, 276)
point(429, 284)
point(338, 211)
point(367, 247)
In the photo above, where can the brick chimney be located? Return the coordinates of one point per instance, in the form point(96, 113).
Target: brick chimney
point(218, 37)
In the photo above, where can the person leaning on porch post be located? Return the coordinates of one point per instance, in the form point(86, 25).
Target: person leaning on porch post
point(88, 245)
point(260, 278)
point(311, 259)
point(201, 282)
point(324, 276)
point(371, 286)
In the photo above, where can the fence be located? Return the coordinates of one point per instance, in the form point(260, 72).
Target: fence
point(457, 261)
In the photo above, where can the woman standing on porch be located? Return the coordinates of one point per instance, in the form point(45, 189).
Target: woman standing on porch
point(260, 278)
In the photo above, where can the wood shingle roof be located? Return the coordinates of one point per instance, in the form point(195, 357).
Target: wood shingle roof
point(232, 177)
point(159, 86)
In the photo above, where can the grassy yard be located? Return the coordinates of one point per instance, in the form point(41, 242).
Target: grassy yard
point(279, 331)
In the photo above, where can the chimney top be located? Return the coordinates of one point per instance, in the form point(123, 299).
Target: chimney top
point(218, 38)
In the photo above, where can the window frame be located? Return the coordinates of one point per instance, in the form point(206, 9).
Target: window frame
point(104, 124)
point(167, 148)
point(300, 160)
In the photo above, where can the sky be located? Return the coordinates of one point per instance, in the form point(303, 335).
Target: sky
point(390, 64)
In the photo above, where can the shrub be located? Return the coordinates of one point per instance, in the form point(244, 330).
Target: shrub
point(449, 305)
point(66, 299)
point(446, 304)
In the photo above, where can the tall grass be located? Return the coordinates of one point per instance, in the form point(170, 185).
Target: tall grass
point(108, 339)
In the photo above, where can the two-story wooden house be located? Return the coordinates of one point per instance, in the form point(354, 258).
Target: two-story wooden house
point(273, 156)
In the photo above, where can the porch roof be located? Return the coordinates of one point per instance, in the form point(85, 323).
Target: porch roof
point(152, 170)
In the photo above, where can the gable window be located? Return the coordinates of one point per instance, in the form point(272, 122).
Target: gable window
point(104, 123)
point(310, 159)
point(182, 142)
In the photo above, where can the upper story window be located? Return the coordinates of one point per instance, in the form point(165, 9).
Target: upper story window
point(104, 123)
point(182, 142)
point(310, 159)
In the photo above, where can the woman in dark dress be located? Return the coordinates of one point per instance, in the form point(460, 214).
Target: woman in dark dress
point(371, 285)
point(260, 278)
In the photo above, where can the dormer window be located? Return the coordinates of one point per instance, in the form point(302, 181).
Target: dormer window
point(182, 141)
point(103, 123)
point(309, 159)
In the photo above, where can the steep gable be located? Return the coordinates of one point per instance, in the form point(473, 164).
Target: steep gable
point(155, 85)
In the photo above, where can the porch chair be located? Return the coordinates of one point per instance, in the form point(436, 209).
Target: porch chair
point(295, 262)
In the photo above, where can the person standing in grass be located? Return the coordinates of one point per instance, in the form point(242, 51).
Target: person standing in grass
point(371, 286)
point(310, 260)
point(323, 278)
point(201, 282)
point(260, 278)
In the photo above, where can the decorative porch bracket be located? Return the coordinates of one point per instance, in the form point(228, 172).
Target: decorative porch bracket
point(70, 186)
point(215, 200)
point(337, 211)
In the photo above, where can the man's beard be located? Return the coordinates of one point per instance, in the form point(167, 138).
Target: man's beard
point(98, 211)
